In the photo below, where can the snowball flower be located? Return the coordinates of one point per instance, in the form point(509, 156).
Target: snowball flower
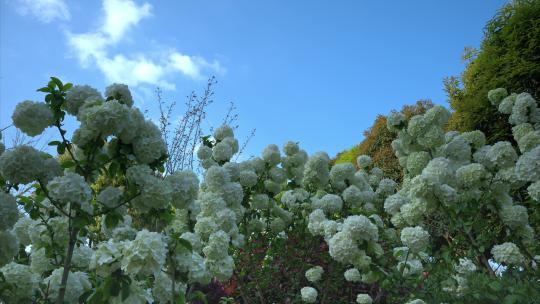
point(360, 228)
point(8, 211)
point(495, 96)
point(21, 229)
point(363, 298)
point(316, 173)
point(290, 148)
point(416, 238)
point(110, 197)
point(314, 274)
point(9, 248)
point(222, 152)
point(77, 95)
point(32, 117)
point(222, 132)
point(330, 203)
point(395, 121)
point(71, 188)
point(39, 262)
point(309, 294)
point(364, 161)
point(185, 187)
point(204, 152)
point(271, 155)
point(527, 166)
point(465, 266)
point(106, 258)
point(507, 253)
point(149, 145)
point(145, 255)
point(393, 203)
point(514, 216)
point(534, 191)
point(24, 280)
point(352, 275)
point(343, 248)
point(119, 92)
point(21, 165)
point(76, 285)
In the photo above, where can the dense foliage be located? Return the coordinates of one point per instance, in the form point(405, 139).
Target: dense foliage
point(508, 57)
point(105, 222)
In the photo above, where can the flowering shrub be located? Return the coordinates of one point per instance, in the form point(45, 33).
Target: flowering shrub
point(106, 223)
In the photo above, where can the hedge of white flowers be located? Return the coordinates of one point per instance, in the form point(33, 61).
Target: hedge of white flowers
point(105, 223)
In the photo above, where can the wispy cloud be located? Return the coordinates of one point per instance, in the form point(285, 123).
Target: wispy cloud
point(43, 10)
point(120, 16)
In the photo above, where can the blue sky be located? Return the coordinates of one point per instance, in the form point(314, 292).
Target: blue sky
point(317, 72)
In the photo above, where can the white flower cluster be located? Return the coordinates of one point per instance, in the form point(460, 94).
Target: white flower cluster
point(144, 255)
point(507, 253)
point(415, 238)
point(314, 274)
point(76, 285)
point(294, 161)
point(79, 95)
point(363, 298)
point(352, 275)
point(25, 282)
point(71, 189)
point(32, 117)
point(24, 164)
point(309, 294)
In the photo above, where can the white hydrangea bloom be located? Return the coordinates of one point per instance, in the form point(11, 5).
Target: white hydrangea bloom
point(32, 117)
point(260, 201)
point(417, 161)
point(22, 228)
point(77, 95)
point(110, 197)
point(410, 267)
point(21, 165)
point(24, 280)
point(204, 152)
point(9, 248)
point(205, 226)
point(475, 138)
point(77, 284)
point(330, 203)
point(315, 222)
point(271, 155)
point(185, 187)
point(395, 121)
point(197, 270)
point(341, 175)
point(81, 256)
point(309, 294)
point(495, 96)
point(119, 92)
point(363, 298)
point(472, 175)
point(527, 166)
point(416, 238)
point(534, 191)
point(314, 274)
point(353, 196)
point(416, 301)
point(215, 245)
point(9, 213)
point(529, 141)
point(393, 203)
point(39, 262)
point(71, 189)
point(343, 248)
point(162, 288)
point(145, 255)
point(507, 253)
point(514, 216)
point(222, 152)
point(364, 161)
point(290, 148)
point(360, 228)
point(193, 239)
point(248, 178)
point(523, 109)
point(507, 104)
point(149, 145)
point(221, 269)
point(316, 173)
point(223, 132)
point(352, 275)
point(465, 266)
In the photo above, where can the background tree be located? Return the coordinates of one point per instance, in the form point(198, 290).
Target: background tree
point(509, 57)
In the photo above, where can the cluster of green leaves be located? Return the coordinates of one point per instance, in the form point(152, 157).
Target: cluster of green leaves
point(509, 58)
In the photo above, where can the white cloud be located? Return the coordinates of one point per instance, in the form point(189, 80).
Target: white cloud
point(119, 17)
point(43, 10)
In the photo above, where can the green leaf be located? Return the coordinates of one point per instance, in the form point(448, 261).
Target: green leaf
point(185, 243)
point(61, 148)
point(57, 82)
point(44, 89)
point(54, 143)
point(68, 86)
point(68, 164)
point(125, 291)
point(181, 299)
